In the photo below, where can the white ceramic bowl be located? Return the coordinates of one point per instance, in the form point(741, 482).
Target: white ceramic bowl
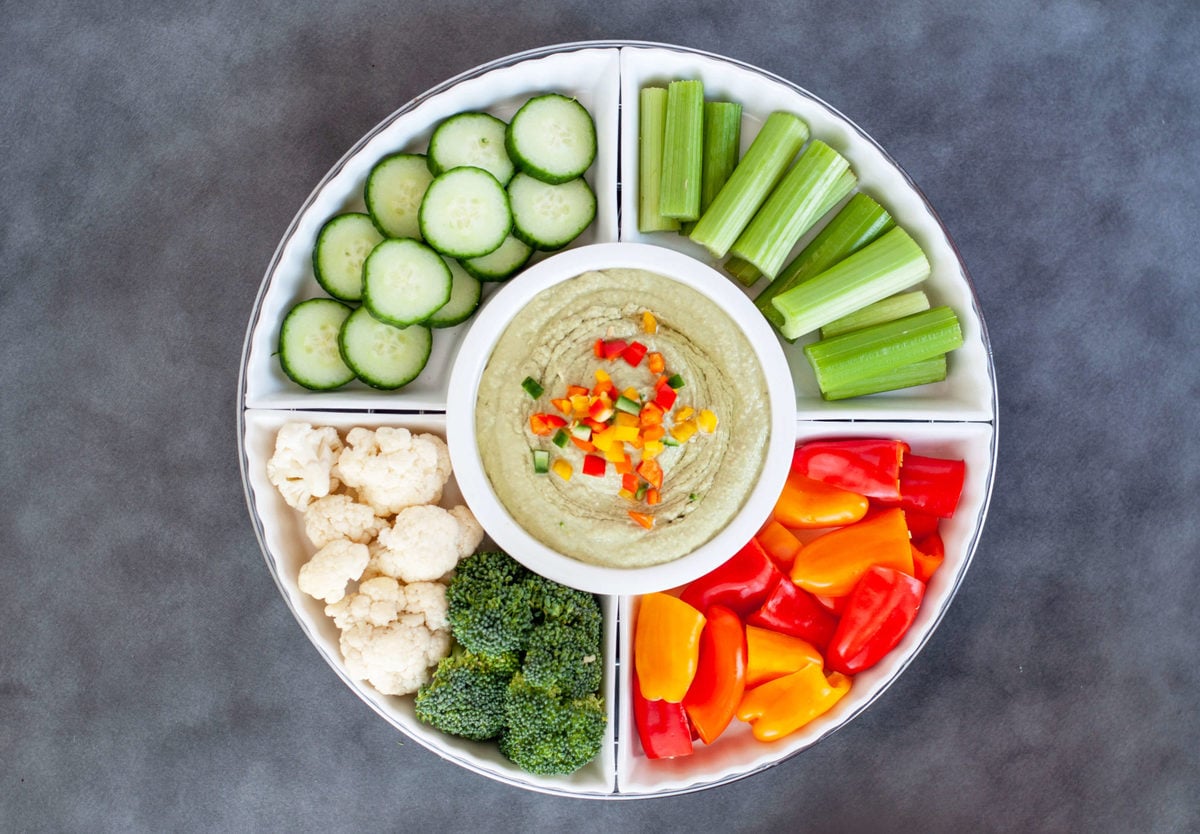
point(476, 349)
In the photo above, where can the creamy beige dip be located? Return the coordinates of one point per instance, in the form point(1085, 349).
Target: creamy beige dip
point(706, 480)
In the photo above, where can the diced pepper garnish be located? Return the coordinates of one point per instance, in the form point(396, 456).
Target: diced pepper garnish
point(625, 419)
point(560, 438)
point(613, 348)
point(651, 414)
point(580, 404)
point(653, 496)
point(707, 421)
point(625, 434)
point(562, 469)
point(563, 404)
point(684, 413)
point(634, 353)
point(544, 425)
point(652, 433)
point(598, 349)
point(656, 363)
point(649, 323)
point(652, 449)
point(643, 519)
point(614, 453)
point(682, 432)
point(651, 472)
point(629, 482)
point(601, 410)
point(585, 445)
point(665, 397)
point(627, 494)
point(577, 391)
point(625, 467)
point(541, 461)
point(594, 466)
point(532, 387)
point(629, 406)
point(601, 374)
point(675, 381)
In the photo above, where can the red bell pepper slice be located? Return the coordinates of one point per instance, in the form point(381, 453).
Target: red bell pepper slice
point(792, 610)
point(868, 466)
point(720, 681)
point(741, 584)
point(928, 555)
point(834, 605)
point(880, 611)
point(931, 485)
point(662, 726)
point(920, 524)
point(634, 353)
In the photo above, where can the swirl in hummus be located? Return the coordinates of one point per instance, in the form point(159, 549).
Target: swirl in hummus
point(706, 480)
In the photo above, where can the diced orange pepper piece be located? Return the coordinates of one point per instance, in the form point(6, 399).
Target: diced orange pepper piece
point(585, 445)
point(646, 521)
point(544, 425)
point(625, 467)
point(651, 472)
point(629, 482)
point(779, 543)
point(562, 404)
point(649, 323)
point(604, 387)
point(651, 415)
point(576, 391)
point(656, 363)
point(651, 433)
point(653, 496)
point(561, 468)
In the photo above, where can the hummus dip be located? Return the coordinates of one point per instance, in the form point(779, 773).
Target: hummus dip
point(705, 481)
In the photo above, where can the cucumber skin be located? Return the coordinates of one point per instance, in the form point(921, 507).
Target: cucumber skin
point(319, 273)
point(367, 187)
point(531, 168)
point(370, 303)
point(283, 353)
point(540, 245)
point(437, 320)
point(496, 277)
point(368, 378)
point(437, 169)
point(424, 224)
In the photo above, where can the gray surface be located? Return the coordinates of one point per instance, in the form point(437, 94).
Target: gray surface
point(152, 679)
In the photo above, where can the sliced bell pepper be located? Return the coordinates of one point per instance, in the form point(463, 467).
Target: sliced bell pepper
point(666, 646)
point(920, 524)
point(792, 610)
point(868, 466)
point(808, 504)
point(662, 726)
point(770, 655)
point(720, 679)
point(879, 613)
point(928, 555)
point(741, 584)
point(834, 605)
point(832, 563)
point(779, 543)
point(779, 707)
point(931, 485)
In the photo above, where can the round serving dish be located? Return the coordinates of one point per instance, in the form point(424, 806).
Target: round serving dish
point(953, 418)
point(476, 351)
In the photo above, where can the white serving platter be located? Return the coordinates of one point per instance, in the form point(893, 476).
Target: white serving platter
point(957, 417)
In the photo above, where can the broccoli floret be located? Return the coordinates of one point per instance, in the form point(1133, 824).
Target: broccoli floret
point(566, 656)
point(467, 694)
point(558, 602)
point(491, 603)
point(549, 733)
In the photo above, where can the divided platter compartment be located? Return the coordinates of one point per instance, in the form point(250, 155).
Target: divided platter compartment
point(955, 418)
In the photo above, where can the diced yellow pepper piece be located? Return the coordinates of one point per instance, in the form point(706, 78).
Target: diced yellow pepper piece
point(626, 494)
point(683, 431)
point(625, 434)
point(615, 453)
point(632, 394)
point(684, 413)
point(707, 421)
point(579, 404)
point(652, 449)
point(562, 469)
point(602, 375)
point(649, 323)
point(624, 418)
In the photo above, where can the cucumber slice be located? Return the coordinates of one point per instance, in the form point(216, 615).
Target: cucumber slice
point(381, 355)
point(342, 245)
point(550, 216)
point(404, 282)
point(308, 344)
point(464, 298)
point(552, 138)
point(513, 254)
point(474, 139)
point(465, 213)
point(393, 193)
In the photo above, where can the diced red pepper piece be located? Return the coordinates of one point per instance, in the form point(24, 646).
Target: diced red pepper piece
point(664, 397)
point(594, 465)
point(653, 496)
point(868, 466)
point(544, 425)
point(600, 411)
point(630, 482)
point(613, 348)
point(793, 610)
point(598, 349)
point(651, 471)
point(880, 611)
point(634, 353)
point(741, 584)
point(662, 727)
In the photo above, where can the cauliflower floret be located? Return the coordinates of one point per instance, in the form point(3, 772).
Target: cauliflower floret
point(425, 543)
point(472, 532)
point(326, 574)
point(340, 517)
point(374, 567)
point(392, 634)
point(301, 468)
point(391, 468)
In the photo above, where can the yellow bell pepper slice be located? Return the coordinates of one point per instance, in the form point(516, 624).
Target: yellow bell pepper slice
point(781, 706)
point(666, 646)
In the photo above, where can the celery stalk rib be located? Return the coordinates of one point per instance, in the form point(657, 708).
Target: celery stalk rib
point(781, 136)
point(859, 222)
point(892, 263)
point(683, 151)
point(893, 307)
point(722, 144)
point(904, 376)
point(814, 185)
point(652, 111)
point(842, 362)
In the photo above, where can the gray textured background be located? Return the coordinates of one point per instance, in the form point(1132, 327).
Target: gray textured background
point(152, 679)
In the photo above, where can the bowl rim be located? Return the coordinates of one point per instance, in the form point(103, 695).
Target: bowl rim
point(475, 351)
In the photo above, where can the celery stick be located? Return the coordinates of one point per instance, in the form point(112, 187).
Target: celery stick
point(842, 362)
point(893, 307)
point(859, 222)
point(892, 263)
point(652, 111)
point(905, 376)
point(794, 207)
point(781, 136)
point(683, 151)
point(746, 272)
point(722, 144)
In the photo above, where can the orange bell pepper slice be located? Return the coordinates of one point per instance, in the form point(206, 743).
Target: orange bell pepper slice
point(666, 646)
point(720, 679)
point(807, 504)
point(780, 707)
point(771, 654)
point(833, 563)
point(779, 543)
point(928, 555)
